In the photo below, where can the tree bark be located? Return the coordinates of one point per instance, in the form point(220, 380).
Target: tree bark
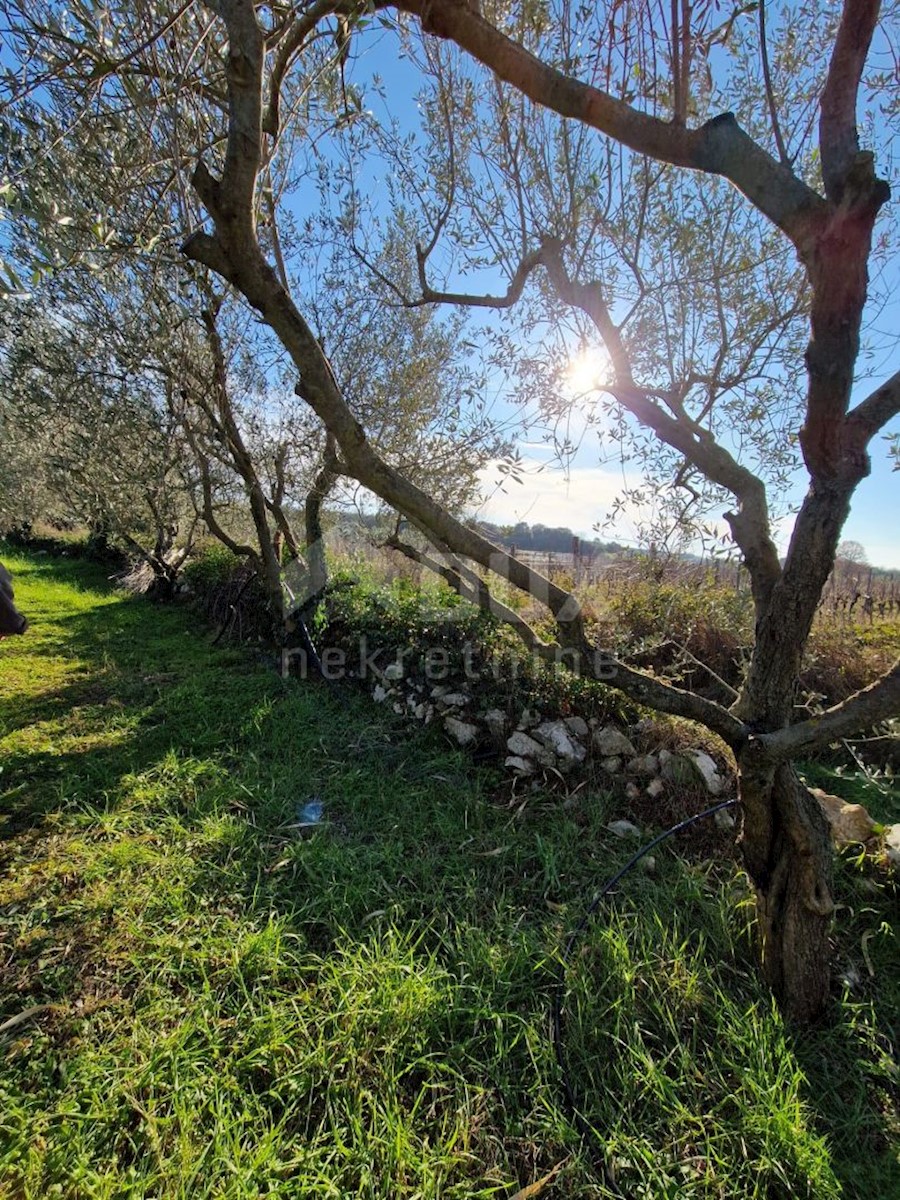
point(325, 479)
point(787, 853)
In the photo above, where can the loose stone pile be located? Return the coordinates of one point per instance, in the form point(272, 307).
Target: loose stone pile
point(533, 744)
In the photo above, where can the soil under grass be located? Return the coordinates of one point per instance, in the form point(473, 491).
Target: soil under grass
point(230, 1005)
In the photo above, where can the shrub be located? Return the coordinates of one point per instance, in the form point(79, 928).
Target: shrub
point(226, 591)
point(210, 566)
point(713, 623)
point(841, 657)
point(416, 620)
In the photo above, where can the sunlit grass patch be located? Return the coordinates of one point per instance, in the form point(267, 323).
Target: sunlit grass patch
point(233, 1004)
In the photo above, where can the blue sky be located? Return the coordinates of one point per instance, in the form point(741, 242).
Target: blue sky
point(581, 495)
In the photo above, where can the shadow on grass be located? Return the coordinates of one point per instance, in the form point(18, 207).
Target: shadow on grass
point(197, 855)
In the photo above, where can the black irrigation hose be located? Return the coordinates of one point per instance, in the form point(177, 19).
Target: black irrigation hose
point(309, 646)
point(232, 610)
point(587, 1131)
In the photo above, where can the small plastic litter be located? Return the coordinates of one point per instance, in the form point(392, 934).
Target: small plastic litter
point(310, 813)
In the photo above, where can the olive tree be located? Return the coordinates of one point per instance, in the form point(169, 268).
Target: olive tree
point(256, 64)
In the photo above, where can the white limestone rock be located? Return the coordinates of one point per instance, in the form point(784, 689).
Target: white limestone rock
point(892, 845)
point(644, 764)
point(556, 737)
point(609, 741)
point(624, 829)
point(849, 823)
point(694, 767)
point(524, 746)
point(708, 772)
point(577, 726)
point(497, 723)
point(462, 732)
point(724, 819)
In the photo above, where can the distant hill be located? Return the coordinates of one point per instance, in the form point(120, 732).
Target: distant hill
point(545, 539)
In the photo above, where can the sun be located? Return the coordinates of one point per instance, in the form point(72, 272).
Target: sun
point(588, 370)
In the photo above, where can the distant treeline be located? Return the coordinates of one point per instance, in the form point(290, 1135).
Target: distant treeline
point(545, 539)
point(538, 539)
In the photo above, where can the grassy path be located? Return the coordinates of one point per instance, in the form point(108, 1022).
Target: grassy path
point(232, 1007)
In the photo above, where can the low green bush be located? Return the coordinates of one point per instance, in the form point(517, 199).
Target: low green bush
point(713, 623)
point(406, 618)
point(210, 566)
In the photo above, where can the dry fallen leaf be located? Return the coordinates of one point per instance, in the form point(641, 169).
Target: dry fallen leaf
point(535, 1189)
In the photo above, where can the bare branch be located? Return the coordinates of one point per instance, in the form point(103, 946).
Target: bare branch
point(770, 94)
point(872, 414)
point(513, 292)
point(878, 702)
point(838, 140)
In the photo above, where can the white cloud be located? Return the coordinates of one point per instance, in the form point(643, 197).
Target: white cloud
point(579, 498)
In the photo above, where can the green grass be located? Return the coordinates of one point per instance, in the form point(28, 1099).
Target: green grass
point(240, 1009)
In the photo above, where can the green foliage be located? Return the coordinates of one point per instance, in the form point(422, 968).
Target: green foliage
point(417, 620)
point(239, 1008)
point(406, 614)
point(211, 566)
point(713, 623)
point(647, 609)
point(842, 657)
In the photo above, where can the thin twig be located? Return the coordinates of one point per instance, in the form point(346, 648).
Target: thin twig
point(770, 95)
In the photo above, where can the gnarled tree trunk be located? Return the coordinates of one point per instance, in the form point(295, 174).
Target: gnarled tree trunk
point(787, 853)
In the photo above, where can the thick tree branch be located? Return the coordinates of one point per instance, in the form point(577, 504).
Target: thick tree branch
point(289, 43)
point(326, 477)
point(243, 72)
point(872, 414)
point(838, 140)
point(750, 525)
point(719, 146)
point(470, 300)
point(878, 702)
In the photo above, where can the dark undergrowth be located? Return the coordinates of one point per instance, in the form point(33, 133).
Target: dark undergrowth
point(211, 999)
